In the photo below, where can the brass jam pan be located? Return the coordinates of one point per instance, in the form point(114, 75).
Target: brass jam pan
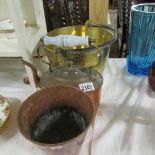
point(103, 36)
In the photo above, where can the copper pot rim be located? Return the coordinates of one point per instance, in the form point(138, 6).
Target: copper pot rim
point(61, 143)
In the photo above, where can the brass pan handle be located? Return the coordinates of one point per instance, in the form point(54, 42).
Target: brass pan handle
point(39, 56)
point(114, 31)
point(99, 54)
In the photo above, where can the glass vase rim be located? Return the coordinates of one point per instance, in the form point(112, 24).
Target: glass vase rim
point(133, 8)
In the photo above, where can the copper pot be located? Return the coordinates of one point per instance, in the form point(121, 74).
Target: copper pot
point(71, 76)
point(51, 97)
point(151, 76)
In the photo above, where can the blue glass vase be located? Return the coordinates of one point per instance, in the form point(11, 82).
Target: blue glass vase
point(141, 45)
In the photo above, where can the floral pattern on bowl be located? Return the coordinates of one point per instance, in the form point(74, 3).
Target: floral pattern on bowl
point(4, 110)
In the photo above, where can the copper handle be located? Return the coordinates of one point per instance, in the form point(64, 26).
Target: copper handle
point(34, 71)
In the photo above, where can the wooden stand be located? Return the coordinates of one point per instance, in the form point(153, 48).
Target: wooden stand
point(98, 11)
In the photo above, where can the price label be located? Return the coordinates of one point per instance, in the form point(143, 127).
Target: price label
point(86, 87)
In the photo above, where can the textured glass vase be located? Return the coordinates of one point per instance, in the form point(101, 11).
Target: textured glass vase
point(141, 46)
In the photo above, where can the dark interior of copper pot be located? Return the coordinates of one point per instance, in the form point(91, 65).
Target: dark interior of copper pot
point(49, 98)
